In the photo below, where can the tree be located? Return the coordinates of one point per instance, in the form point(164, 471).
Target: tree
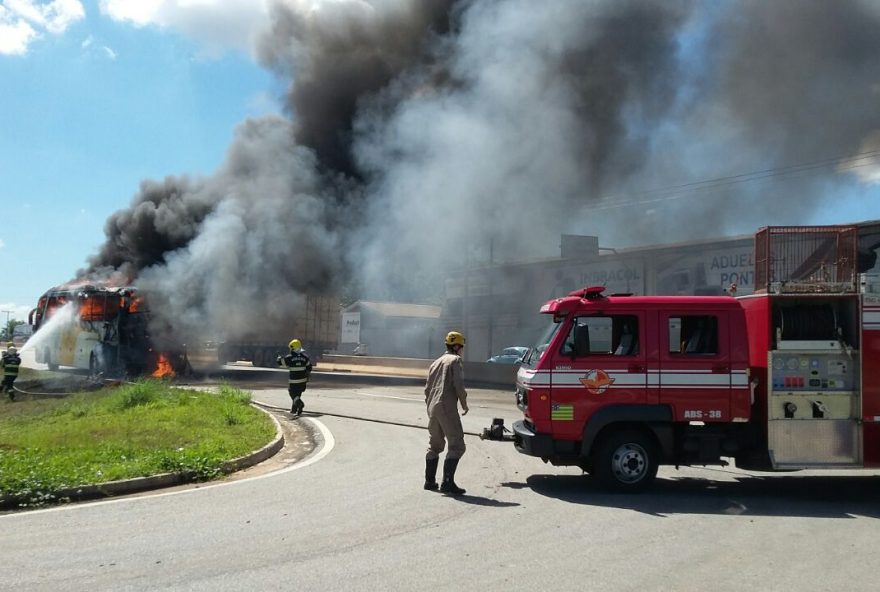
point(9, 329)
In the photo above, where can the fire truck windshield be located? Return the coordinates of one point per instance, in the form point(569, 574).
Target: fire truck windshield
point(537, 351)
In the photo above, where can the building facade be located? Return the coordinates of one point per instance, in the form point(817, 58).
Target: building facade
point(496, 306)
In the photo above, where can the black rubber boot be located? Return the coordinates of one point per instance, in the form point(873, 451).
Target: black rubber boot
point(448, 485)
point(431, 473)
point(298, 406)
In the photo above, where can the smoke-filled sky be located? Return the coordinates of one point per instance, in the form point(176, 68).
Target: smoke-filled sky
point(412, 135)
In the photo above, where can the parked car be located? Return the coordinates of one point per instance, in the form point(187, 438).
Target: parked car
point(509, 355)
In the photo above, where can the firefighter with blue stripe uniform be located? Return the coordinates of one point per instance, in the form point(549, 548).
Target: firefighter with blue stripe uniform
point(10, 362)
point(299, 366)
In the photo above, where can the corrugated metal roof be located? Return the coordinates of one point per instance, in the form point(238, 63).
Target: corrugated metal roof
point(396, 309)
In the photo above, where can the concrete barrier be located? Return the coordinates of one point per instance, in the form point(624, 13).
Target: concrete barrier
point(412, 367)
point(495, 375)
point(475, 373)
point(369, 361)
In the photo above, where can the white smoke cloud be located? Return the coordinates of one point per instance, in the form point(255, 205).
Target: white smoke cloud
point(23, 21)
point(532, 125)
point(218, 25)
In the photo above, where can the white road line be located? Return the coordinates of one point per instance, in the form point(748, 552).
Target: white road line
point(329, 444)
point(416, 399)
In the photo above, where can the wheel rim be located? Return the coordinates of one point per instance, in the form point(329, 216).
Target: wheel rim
point(629, 463)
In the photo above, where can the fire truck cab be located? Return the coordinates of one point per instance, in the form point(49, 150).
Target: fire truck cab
point(620, 384)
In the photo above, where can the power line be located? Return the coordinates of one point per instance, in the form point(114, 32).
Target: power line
point(687, 190)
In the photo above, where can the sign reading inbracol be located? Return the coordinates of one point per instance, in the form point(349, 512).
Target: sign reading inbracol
point(351, 327)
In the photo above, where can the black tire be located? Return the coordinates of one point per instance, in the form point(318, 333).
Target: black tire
point(626, 461)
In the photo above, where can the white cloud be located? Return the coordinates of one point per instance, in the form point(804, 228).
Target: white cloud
point(23, 21)
point(2, 244)
point(217, 25)
point(19, 312)
point(55, 16)
point(15, 33)
point(142, 12)
point(89, 41)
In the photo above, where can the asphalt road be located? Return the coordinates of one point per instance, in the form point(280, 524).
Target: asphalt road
point(352, 516)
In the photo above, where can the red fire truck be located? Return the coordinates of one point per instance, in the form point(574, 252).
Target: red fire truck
point(787, 378)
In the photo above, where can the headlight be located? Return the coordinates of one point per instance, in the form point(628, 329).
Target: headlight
point(521, 397)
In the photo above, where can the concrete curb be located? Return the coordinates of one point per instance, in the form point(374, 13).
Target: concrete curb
point(163, 480)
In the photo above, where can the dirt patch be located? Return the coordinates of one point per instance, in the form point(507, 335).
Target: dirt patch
point(59, 386)
point(301, 438)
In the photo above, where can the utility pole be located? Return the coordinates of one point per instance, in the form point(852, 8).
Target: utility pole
point(490, 273)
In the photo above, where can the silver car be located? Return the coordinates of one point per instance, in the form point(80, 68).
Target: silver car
point(509, 355)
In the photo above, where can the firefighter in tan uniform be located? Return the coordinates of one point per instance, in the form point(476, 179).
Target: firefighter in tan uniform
point(443, 392)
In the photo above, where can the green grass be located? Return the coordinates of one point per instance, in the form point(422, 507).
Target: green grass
point(135, 430)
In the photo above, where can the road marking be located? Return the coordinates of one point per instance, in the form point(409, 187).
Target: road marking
point(329, 444)
point(416, 399)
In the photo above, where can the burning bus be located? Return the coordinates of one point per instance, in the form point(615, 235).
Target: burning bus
point(106, 330)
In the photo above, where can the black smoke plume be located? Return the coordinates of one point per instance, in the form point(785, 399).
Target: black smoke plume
point(422, 135)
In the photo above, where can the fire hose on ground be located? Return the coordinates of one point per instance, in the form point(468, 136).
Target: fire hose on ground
point(496, 431)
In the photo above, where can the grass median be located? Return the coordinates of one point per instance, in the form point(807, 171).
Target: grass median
point(134, 430)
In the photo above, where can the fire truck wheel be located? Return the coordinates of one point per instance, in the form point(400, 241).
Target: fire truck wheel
point(626, 461)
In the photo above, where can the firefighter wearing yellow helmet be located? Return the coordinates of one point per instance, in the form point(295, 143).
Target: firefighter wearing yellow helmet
point(444, 391)
point(299, 367)
point(10, 363)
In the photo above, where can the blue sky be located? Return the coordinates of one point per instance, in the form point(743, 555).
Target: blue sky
point(92, 103)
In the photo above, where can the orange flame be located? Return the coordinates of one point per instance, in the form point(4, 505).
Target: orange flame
point(163, 367)
point(136, 304)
